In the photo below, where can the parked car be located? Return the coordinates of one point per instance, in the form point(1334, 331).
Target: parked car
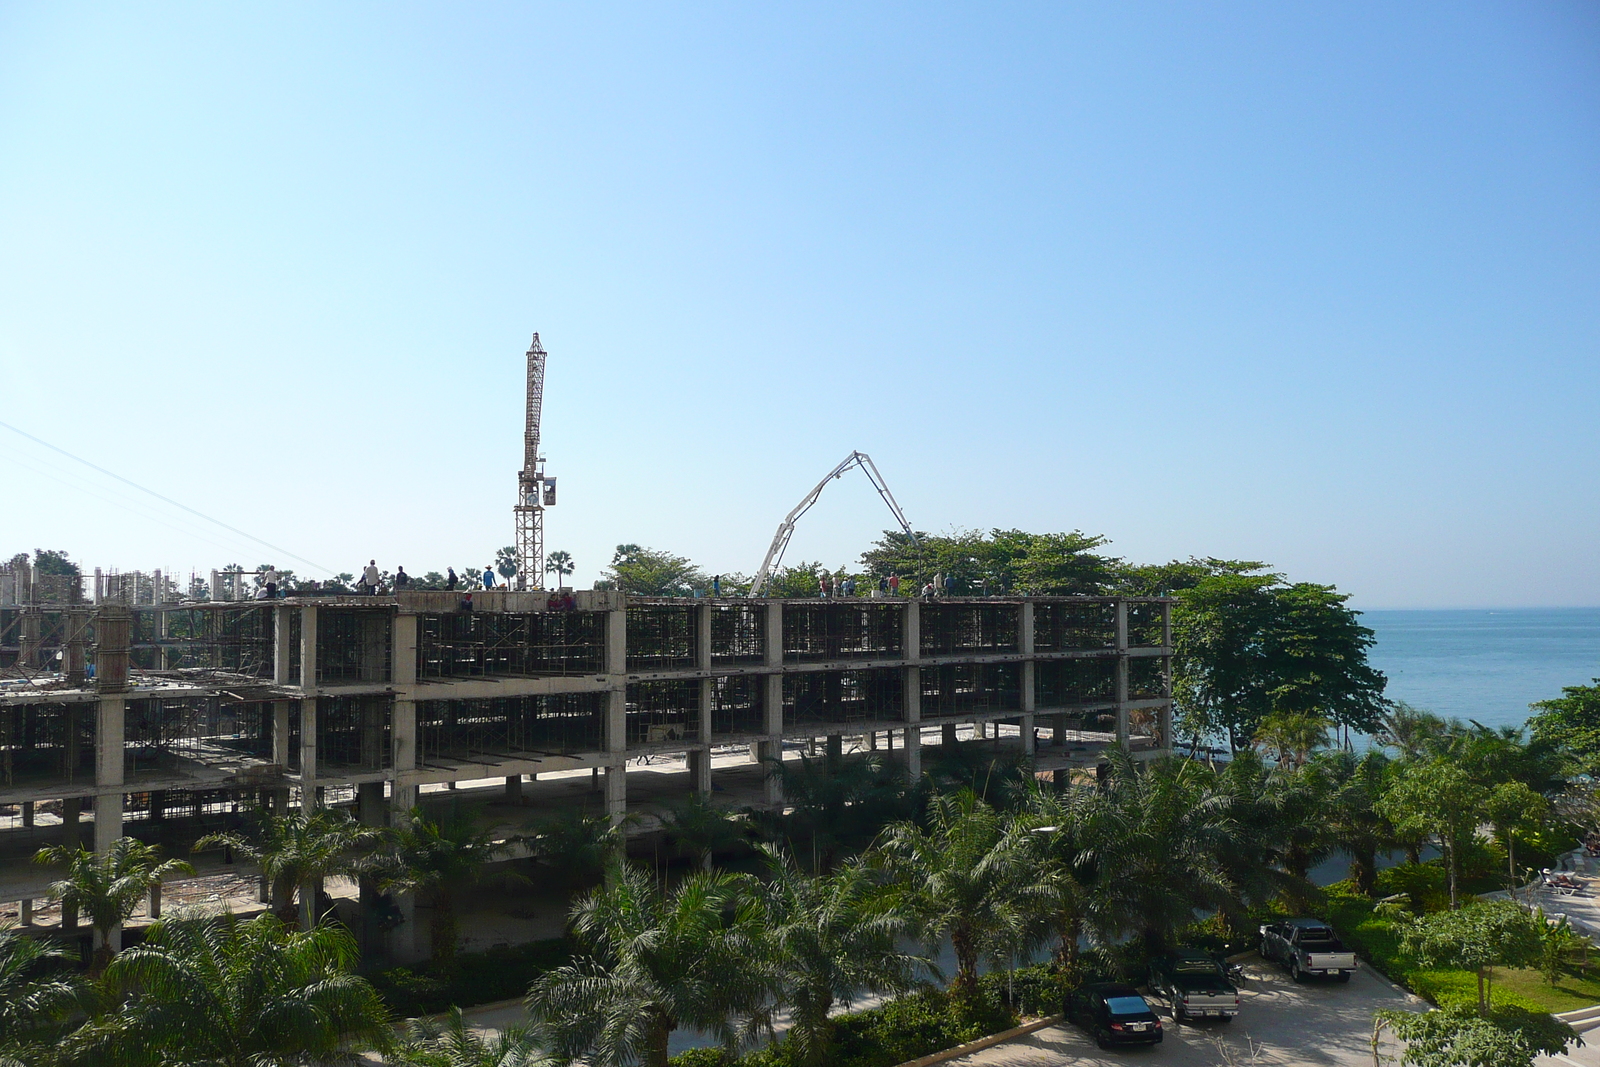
point(1115, 1014)
point(1196, 985)
point(1307, 947)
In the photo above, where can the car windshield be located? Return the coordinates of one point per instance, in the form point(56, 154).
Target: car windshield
point(1126, 1005)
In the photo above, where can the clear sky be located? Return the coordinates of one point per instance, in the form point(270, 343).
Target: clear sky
point(1309, 283)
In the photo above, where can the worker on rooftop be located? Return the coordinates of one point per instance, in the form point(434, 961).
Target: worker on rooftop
point(370, 578)
point(488, 577)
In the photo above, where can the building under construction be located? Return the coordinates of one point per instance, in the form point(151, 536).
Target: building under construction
point(128, 710)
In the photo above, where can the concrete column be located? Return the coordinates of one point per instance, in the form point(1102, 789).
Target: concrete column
point(514, 788)
point(911, 633)
point(407, 755)
point(913, 752)
point(27, 814)
point(216, 584)
point(700, 770)
point(77, 659)
point(309, 797)
point(617, 641)
point(281, 648)
point(100, 585)
point(773, 652)
point(1029, 741)
point(947, 734)
point(155, 901)
point(280, 732)
point(27, 912)
point(1122, 672)
point(1058, 730)
point(772, 751)
point(28, 638)
point(835, 751)
point(1029, 694)
point(617, 791)
point(702, 641)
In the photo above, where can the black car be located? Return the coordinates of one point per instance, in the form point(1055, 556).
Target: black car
point(1115, 1014)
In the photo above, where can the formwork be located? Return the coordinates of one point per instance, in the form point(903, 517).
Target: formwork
point(662, 637)
point(954, 688)
point(193, 735)
point(833, 630)
point(525, 644)
point(659, 712)
point(957, 628)
point(533, 725)
point(1065, 682)
point(850, 696)
point(738, 705)
point(738, 634)
point(355, 734)
point(1072, 625)
point(47, 744)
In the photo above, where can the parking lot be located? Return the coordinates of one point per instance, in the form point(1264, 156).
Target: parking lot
point(1279, 1022)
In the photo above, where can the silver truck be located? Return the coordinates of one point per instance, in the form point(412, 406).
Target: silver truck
point(1307, 947)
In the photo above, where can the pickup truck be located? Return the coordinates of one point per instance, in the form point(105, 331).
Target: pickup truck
point(1196, 986)
point(1307, 947)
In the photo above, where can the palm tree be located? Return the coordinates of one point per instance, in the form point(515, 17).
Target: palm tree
point(108, 888)
point(1067, 834)
point(654, 961)
point(827, 938)
point(1292, 736)
point(965, 877)
point(560, 564)
point(576, 848)
point(37, 991)
point(301, 849)
point(1410, 731)
point(1353, 820)
point(455, 1045)
point(696, 825)
point(225, 992)
point(1179, 847)
point(835, 802)
point(439, 857)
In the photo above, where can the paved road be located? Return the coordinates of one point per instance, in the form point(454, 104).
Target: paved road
point(1317, 1024)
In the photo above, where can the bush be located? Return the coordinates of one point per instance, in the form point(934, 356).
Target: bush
point(1425, 883)
point(701, 1057)
point(472, 978)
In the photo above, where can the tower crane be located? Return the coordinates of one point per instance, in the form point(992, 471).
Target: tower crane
point(780, 541)
point(535, 491)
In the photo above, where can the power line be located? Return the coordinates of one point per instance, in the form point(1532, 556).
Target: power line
point(164, 499)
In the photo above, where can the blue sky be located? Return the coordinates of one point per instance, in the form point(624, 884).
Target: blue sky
point(1308, 283)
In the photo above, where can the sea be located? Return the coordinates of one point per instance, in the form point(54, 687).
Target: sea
point(1488, 665)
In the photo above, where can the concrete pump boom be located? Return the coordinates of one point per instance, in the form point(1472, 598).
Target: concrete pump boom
point(780, 541)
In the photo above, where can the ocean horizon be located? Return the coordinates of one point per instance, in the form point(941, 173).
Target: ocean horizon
point(1485, 664)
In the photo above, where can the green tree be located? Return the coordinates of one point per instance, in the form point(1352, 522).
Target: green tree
point(1413, 733)
point(827, 939)
point(300, 850)
point(224, 992)
point(560, 564)
point(1477, 938)
point(700, 827)
point(1354, 822)
point(651, 962)
point(1292, 736)
point(439, 857)
point(505, 562)
point(455, 1044)
point(1438, 799)
point(834, 804)
point(642, 571)
point(1001, 561)
point(1510, 807)
point(1510, 1037)
point(1249, 644)
point(1068, 832)
point(53, 561)
point(965, 877)
point(37, 993)
point(575, 847)
point(1572, 722)
point(108, 889)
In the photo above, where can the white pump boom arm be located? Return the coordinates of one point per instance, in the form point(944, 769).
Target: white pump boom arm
point(780, 540)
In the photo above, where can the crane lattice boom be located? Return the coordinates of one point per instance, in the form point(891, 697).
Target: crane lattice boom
point(534, 490)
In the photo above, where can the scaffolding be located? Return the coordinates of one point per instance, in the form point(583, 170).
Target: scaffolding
point(958, 688)
point(738, 634)
point(952, 629)
point(46, 744)
point(828, 697)
point(474, 644)
point(662, 637)
point(660, 712)
point(354, 646)
point(814, 632)
point(739, 705)
point(193, 735)
point(1146, 624)
point(355, 733)
point(1069, 626)
point(1065, 682)
point(553, 724)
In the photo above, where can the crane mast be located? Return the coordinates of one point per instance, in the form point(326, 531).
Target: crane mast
point(535, 492)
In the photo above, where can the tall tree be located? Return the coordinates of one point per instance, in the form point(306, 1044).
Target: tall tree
point(225, 992)
point(1438, 799)
point(38, 991)
point(560, 564)
point(1001, 561)
point(828, 939)
point(966, 876)
point(648, 572)
point(651, 962)
point(440, 857)
point(1572, 722)
point(1354, 822)
point(1477, 938)
point(108, 888)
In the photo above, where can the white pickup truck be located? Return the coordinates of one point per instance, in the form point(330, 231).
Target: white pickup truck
point(1307, 947)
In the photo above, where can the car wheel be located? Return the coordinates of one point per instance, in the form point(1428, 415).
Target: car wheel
point(1344, 976)
point(1102, 1039)
point(1295, 972)
point(1264, 953)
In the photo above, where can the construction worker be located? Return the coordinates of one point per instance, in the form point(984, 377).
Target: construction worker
point(371, 578)
point(401, 579)
point(450, 578)
point(894, 585)
point(488, 577)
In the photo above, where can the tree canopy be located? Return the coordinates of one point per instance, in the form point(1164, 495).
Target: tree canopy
point(644, 571)
point(1000, 561)
point(1572, 722)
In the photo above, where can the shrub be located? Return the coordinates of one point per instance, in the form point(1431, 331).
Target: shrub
point(1424, 883)
point(471, 978)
